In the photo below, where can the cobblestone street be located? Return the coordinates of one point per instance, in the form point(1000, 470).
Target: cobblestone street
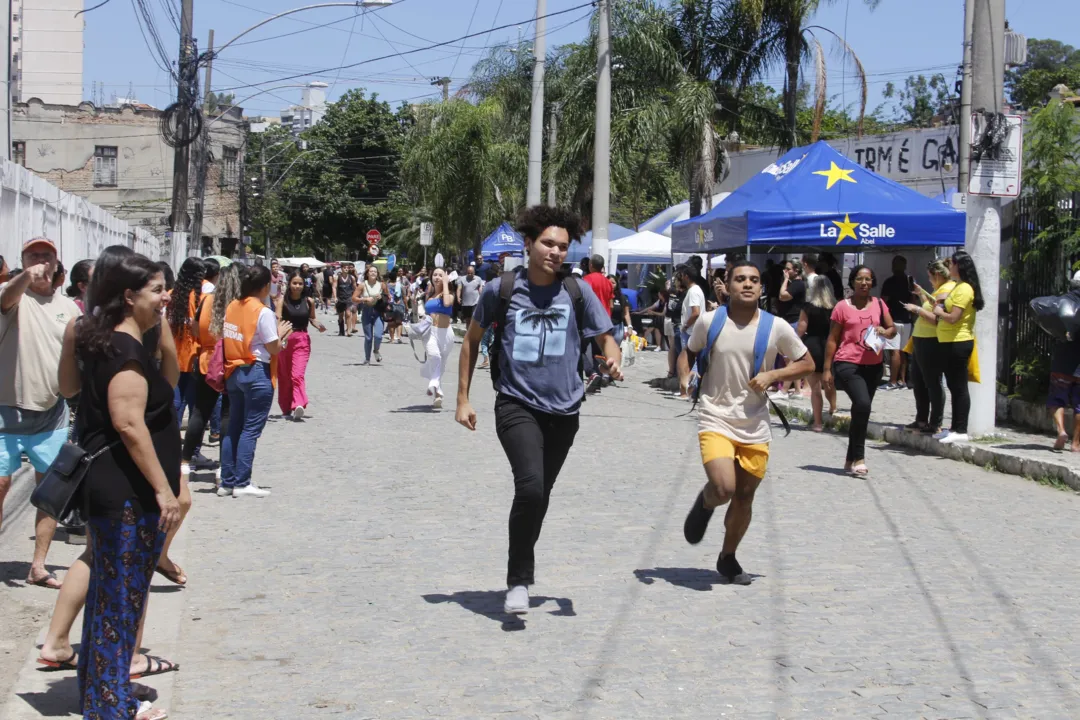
point(369, 585)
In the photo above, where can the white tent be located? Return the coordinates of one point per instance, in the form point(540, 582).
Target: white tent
point(641, 247)
point(297, 262)
point(662, 221)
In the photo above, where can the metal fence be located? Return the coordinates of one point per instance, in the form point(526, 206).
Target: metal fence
point(1025, 358)
point(32, 207)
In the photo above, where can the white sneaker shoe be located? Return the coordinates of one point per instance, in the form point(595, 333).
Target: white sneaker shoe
point(298, 413)
point(378, 357)
point(251, 490)
point(517, 600)
point(438, 401)
point(223, 491)
point(943, 434)
point(954, 438)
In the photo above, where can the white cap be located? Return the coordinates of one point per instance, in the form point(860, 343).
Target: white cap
point(576, 271)
point(1075, 283)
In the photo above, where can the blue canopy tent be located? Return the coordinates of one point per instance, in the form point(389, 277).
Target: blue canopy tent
point(583, 248)
point(503, 241)
point(814, 197)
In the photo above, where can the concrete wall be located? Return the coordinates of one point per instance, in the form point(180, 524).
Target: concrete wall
point(60, 145)
point(912, 157)
point(49, 49)
point(32, 207)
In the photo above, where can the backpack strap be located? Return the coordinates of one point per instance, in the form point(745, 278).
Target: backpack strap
point(761, 347)
point(719, 319)
point(506, 291)
point(577, 298)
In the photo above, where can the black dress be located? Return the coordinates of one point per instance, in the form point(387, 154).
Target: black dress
point(818, 324)
point(114, 478)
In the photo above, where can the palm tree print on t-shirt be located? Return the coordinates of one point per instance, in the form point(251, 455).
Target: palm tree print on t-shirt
point(540, 333)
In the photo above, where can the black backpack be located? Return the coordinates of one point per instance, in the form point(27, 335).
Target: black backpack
point(506, 291)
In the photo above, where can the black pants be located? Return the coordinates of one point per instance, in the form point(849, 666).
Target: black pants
point(205, 399)
point(919, 373)
point(860, 382)
point(952, 362)
point(536, 444)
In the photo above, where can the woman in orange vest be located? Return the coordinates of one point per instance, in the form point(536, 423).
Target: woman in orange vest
point(252, 337)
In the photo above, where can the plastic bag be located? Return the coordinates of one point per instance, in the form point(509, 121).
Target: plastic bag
point(1057, 316)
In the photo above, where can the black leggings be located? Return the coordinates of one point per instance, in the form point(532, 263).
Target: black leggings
point(205, 399)
point(860, 382)
point(926, 350)
point(536, 444)
point(952, 362)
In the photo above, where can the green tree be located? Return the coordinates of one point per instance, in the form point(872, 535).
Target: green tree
point(460, 169)
point(921, 99)
point(1049, 63)
point(1052, 175)
point(219, 101)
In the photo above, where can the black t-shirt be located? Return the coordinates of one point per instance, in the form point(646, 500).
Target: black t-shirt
point(674, 307)
point(114, 478)
point(837, 283)
point(618, 302)
point(898, 290)
point(818, 321)
point(789, 309)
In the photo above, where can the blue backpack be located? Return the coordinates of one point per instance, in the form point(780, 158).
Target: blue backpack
point(761, 346)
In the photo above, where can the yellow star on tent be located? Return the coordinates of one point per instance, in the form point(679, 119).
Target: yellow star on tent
point(847, 228)
point(836, 174)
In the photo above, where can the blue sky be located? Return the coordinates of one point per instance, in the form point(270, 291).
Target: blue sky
point(901, 37)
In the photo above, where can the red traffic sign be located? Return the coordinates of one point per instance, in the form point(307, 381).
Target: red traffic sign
point(374, 237)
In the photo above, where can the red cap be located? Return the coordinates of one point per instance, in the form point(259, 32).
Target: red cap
point(39, 241)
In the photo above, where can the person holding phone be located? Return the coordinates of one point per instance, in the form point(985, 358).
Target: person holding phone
point(929, 401)
point(853, 358)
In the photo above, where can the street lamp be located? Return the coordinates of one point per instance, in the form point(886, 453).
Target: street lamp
point(364, 4)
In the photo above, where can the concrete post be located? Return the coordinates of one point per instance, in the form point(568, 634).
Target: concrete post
point(536, 121)
point(5, 82)
point(984, 213)
point(602, 163)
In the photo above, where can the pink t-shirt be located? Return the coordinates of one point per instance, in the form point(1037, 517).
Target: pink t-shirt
point(854, 323)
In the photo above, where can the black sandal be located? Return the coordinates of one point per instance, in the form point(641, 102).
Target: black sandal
point(155, 666)
point(916, 426)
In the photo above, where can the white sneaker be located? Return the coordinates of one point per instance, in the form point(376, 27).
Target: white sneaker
point(378, 357)
point(954, 438)
point(298, 413)
point(223, 491)
point(943, 434)
point(438, 401)
point(251, 490)
point(517, 600)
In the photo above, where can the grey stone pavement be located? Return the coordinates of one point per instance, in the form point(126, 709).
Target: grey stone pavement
point(370, 584)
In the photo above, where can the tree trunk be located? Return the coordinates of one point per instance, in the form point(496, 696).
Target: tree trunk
point(793, 52)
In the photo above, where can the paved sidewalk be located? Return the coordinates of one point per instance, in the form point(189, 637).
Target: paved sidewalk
point(370, 584)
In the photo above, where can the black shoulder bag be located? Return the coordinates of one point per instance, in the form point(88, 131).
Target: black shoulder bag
point(56, 493)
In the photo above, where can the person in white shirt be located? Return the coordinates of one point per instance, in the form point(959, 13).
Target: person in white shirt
point(693, 308)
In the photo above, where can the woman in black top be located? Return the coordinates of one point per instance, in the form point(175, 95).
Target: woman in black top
point(814, 326)
point(674, 317)
point(298, 309)
point(130, 490)
point(620, 310)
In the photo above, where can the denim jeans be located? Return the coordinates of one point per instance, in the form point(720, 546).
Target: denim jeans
point(184, 394)
point(250, 395)
point(373, 331)
point(215, 419)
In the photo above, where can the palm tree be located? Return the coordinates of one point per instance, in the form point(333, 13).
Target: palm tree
point(788, 38)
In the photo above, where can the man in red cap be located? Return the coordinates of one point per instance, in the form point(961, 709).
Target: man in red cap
point(33, 416)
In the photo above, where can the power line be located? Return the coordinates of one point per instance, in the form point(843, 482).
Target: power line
point(468, 29)
point(411, 52)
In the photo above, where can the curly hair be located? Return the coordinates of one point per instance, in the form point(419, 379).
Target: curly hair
point(858, 269)
point(226, 290)
point(535, 220)
point(93, 335)
point(189, 280)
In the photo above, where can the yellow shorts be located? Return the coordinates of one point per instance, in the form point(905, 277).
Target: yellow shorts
point(754, 459)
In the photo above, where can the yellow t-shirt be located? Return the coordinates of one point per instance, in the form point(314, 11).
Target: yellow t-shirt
point(923, 327)
point(962, 296)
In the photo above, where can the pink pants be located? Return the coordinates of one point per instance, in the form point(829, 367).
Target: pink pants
point(292, 364)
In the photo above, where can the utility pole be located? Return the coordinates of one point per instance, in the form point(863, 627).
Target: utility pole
point(602, 160)
point(265, 194)
point(182, 156)
point(445, 82)
point(984, 212)
point(5, 82)
point(202, 161)
point(963, 170)
point(536, 122)
point(553, 134)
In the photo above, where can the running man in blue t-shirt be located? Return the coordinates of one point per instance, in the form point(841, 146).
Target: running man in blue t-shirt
point(536, 363)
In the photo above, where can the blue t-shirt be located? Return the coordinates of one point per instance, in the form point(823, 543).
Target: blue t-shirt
point(538, 360)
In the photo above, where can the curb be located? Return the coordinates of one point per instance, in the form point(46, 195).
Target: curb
point(984, 456)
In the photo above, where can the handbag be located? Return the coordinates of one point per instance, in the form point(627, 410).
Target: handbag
point(974, 375)
point(55, 494)
point(215, 371)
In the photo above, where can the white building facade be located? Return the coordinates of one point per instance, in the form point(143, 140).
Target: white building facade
point(47, 51)
point(310, 111)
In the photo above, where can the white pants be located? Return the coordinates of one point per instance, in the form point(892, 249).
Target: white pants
point(439, 344)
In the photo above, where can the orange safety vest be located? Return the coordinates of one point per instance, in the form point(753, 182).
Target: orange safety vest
point(186, 343)
point(207, 340)
point(241, 321)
